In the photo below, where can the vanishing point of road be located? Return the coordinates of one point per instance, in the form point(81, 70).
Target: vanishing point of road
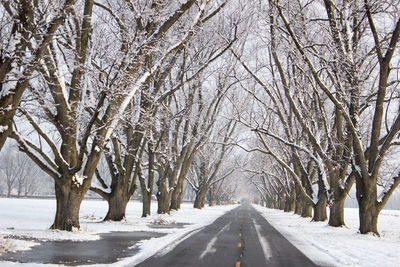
point(241, 237)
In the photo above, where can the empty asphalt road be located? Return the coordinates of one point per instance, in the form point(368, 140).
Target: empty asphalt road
point(241, 237)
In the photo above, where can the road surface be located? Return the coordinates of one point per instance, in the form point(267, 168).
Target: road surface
point(241, 237)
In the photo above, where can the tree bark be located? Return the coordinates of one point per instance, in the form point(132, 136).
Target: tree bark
point(290, 201)
point(336, 212)
point(163, 198)
point(299, 202)
point(117, 203)
point(307, 209)
point(176, 197)
point(368, 208)
point(320, 214)
point(146, 199)
point(69, 199)
point(200, 198)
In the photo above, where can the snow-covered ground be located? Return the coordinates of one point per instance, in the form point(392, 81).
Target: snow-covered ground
point(323, 244)
point(330, 246)
point(32, 218)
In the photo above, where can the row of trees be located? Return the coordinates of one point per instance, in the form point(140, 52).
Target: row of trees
point(326, 106)
point(139, 85)
point(159, 91)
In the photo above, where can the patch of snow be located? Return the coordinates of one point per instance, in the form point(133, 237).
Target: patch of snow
point(3, 128)
point(13, 245)
point(78, 179)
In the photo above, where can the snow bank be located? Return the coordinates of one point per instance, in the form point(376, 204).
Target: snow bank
point(331, 246)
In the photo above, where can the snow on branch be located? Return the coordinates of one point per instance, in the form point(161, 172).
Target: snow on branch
point(148, 74)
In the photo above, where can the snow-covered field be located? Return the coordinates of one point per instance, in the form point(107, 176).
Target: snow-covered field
point(330, 246)
point(323, 244)
point(33, 217)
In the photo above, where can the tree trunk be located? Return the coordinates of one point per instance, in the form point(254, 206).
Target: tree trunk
point(336, 212)
point(176, 198)
point(320, 214)
point(290, 202)
point(299, 205)
point(211, 201)
point(9, 191)
point(307, 209)
point(200, 197)
point(146, 199)
point(368, 208)
point(163, 198)
point(117, 203)
point(368, 213)
point(178, 189)
point(292, 199)
point(281, 202)
point(69, 199)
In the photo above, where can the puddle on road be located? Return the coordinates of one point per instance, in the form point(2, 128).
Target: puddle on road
point(109, 249)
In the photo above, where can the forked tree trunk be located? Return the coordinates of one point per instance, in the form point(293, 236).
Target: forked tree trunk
point(176, 198)
point(339, 194)
point(69, 198)
point(200, 198)
point(117, 203)
point(320, 214)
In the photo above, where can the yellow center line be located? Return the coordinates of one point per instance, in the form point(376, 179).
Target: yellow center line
point(237, 264)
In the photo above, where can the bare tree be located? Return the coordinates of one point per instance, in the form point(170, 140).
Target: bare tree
point(210, 159)
point(84, 116)
point(27, 27)
point(366, 159)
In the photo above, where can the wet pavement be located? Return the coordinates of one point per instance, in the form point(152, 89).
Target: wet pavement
point(109, 249)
